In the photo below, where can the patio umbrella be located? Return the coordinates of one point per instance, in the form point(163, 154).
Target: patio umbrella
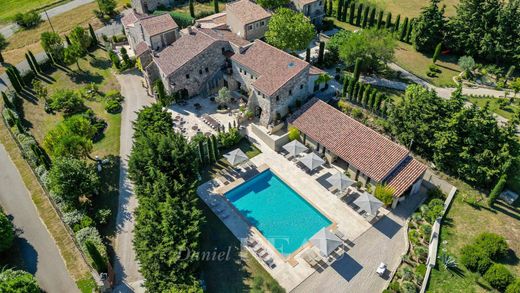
point(340, 181)
point(325, 241)
point(295, 147)
point(236, 157)
point(312, 161)
point(368, 203)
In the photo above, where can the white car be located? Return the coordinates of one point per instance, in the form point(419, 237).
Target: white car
point(381, 269)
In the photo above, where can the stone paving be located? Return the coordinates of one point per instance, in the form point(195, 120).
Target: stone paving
point(291, 271)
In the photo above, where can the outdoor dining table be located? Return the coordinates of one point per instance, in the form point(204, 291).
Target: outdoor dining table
point(194, 127)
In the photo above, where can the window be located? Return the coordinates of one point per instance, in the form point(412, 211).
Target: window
point(187, 76)
point(223, 49)
point(262, 23)
point(249, 27)
point(290, 92)
point(200, 71)
point(206, 69)
point(240, 69)
point(301, 86)
point(277, 98)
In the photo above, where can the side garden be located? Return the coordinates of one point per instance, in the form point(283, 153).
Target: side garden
point(67, 124)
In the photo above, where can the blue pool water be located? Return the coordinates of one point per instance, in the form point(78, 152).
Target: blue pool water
point(277, 211)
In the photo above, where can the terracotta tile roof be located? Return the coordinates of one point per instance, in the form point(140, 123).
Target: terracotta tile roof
point(315, 71)
point(367, 150)
point(405, 175)
point(247, 11)
point(225, 35)
point(183, 50)
point(213, 21)
point(131, 17)
point(273, 66)
point(154, 25)
point(141, 48)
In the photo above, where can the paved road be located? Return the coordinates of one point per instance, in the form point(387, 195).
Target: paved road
point(128, 278)
point(10, 29)
point(356, 271)
point(39, 251)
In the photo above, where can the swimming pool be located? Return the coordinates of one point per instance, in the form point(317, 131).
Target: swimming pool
point(283, 217)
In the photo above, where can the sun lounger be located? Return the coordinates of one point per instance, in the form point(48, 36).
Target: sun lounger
point(251, 242)
point(340, 235)
point(263, 254)
point(213, 203)
point(224, 216)
point(309, 259)
point(269, 262)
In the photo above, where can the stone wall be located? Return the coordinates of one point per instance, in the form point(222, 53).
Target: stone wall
point(148, 6)
point(197, 72)
point(256, 30)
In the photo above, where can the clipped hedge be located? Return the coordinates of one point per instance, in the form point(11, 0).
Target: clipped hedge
point(475, 258)
point(499, 277)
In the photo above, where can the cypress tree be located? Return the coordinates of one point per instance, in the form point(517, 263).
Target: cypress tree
point(404, 28)
point(208, 151)
point(345, 85)
point(366, 95)
point(359, 97)
point(215, 146)
point(29, 61)
point(98, 261)
point(377, 102)
point(351, 13)
point(35, 62)
point(359, 12)
point(325, 9)
point(372, 18)
point(397, 23)
point(345, 10)
point(437, 52)
point(331, 8)
point(68, 41)
point(409, 32)
point(201, 152)
point(351, 85)
point(215, 5)
point(192, 9)
point(340, 8)
point(1, 57)
point(388, 22)
point(380, 19)
point(93, 36)
point(372, 100)
point(355, 91)
point(321, 52)
point(497, 189)
point(357, 69)
point(365, 16)
point(7, 102)
point(18, 76)
point(13, 80)
point(308, 55)
point(509, 73)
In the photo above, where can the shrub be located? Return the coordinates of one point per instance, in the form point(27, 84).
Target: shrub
point(421, 252)
point(103, 216)
point(99, 262)
point(294, 133)
point(67, 101)
point(91, 235)
point(113, 106)
point(435, 193)
point(420, 271)
point(10, 116)
point(494, 245)
point(407, 274)
point(357, 113)
point(408, 287)
point(514, 287)
point(475, 258)
point(27, 20)
point(384, 193)
point(499, 277)
point(7, 232)
point(73, 218)
point(426, 230)
point(394, 286)
point(230, 138)
point(182, 19)
point(344, 107)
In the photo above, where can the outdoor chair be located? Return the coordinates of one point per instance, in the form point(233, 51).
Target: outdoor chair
point(251, 242)
point(340, 235)
point(269, 262)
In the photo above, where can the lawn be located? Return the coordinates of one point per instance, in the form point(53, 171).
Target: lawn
point(25, 40)
point(417, 63)
point(411, 8)
point(200, 7)
point(8, 8)
point(461, 225)
point(498, 105)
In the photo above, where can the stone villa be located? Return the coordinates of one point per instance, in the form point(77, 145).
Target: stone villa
point(222, 50)
point(148, 6)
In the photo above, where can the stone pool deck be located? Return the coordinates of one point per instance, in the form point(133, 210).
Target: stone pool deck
point(291, 271)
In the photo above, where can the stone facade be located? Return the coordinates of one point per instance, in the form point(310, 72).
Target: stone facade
point(149, 6)
point(201, 75)
point(315, 10)
point(249, 31)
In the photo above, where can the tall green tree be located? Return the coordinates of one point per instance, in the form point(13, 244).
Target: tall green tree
point(339, 10)
point(6, 231)
point(29, 62)
point(380, 19)
point(404, 28)
point(93, 35)
point(352, 12)
point(289, 30)
point(429, 27)
point(18, 281)
point(437, 52)
point(272, 4)
point(3, 44)
point(372, 18)
point(192, 9)
point(80, 38)
point(359, 14)
point(397, 23)
point(215, 6)
point(71, 178)
point(53, 45)
point(388, 22)
point(72, 54)
point(35, 62)
point(107, 6)
point(365, 16)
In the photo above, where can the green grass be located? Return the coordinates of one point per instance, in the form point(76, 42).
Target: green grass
point(8, 8)
point(417, 63)
point(494, 106)
point(461, 225)
point(86, 285)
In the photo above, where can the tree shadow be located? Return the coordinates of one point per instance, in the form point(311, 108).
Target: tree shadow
point(510, 258)
point(100, 63)
point(506, 209)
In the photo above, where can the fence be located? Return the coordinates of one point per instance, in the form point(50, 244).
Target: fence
point(434, 240)
point(53, 203)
